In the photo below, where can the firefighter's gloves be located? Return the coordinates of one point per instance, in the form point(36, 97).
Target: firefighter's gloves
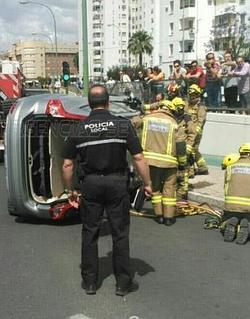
point(73, 198)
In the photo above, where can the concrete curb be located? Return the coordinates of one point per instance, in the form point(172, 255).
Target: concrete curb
point(202, 198)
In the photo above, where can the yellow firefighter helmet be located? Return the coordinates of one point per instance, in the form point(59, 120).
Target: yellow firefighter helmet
point(244, 148)
point(194, 89)
point(229, 160)
point(167, 105)
point(179, 103)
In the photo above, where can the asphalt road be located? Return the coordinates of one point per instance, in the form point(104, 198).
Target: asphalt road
point(184, 272)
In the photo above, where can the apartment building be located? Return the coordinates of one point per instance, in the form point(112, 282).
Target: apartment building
point(181, 29)
point(231, 20)
point(39, 59)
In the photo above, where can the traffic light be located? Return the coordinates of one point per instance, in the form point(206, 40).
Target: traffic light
point(66, 73)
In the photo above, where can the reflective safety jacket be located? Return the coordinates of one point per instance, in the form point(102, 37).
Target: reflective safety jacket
point(237, 186)
point(186, 130)
point(160, 143)
point(198, 113)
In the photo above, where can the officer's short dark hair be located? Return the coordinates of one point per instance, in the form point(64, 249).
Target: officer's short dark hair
point(98, 96)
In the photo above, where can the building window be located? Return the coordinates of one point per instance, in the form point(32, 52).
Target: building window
point(171, 6)
point(187, 3)
point(170, 69)
point(96, 43)
point(171, 28)
point(171, 49)
point(97, 69)
point(160, 59)
point(242, 1)
point(242, 19)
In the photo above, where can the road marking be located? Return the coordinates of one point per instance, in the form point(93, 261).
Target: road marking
point(78, 316)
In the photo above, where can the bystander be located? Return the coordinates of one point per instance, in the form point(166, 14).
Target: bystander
point(213, 81)
point(242, 71)
point(229, 83)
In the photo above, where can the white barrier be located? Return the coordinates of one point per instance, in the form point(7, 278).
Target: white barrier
point(224, 133)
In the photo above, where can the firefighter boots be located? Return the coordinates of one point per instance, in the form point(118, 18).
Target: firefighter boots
point(230, 229)
point(242, 233)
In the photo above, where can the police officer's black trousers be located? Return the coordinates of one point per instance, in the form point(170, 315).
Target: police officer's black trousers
point(107, 193)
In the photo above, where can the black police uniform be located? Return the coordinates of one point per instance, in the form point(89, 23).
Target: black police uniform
point(102, 143)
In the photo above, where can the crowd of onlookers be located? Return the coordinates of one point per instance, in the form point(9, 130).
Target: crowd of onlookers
point(228, 77)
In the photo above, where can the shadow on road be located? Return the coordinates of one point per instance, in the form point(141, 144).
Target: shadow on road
point(138, 267)
point(36, 221)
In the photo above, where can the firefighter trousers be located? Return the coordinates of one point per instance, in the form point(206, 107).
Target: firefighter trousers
point(164, 190)
point(107, 193)
point(182, 183)
point(199, 160)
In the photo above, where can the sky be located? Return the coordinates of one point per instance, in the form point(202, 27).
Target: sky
point(18, 22)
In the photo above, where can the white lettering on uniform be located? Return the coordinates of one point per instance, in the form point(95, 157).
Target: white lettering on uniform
point(241, 170)
point(99, 127)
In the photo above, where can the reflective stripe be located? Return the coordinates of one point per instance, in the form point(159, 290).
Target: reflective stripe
point(144, 134)
point(201, 161)
point(228, 177)
point(245, 201)
point(189, 148)
point(109, 141)
point(160, 157)
point(182, 159)
point(169, 143)
point(169, 201)
point(198, 130)
point(156, 199)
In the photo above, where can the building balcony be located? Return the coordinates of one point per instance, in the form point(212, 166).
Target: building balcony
point(189, 34)
point(188, 12)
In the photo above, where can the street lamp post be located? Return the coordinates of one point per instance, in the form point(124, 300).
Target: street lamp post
point(119, 30)
point(54, 21)
point(183, 34)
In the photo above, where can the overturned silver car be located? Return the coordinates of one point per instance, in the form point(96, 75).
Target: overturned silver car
point(35, 131)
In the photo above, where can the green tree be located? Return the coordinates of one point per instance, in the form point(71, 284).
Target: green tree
point(140, 43)
point(132, 71)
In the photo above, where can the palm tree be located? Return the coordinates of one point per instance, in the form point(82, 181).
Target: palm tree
point(140, 43)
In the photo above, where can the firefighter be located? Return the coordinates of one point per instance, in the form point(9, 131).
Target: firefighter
point(198, 113)
point(237, 195)
point(186, 132)
point(173, 90)
point(164, 153)
point(104, 185)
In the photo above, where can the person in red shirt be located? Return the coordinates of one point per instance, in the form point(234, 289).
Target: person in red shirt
point(196, 75)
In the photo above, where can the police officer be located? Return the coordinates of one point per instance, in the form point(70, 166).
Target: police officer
point(102, 145)
point(237, 195)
